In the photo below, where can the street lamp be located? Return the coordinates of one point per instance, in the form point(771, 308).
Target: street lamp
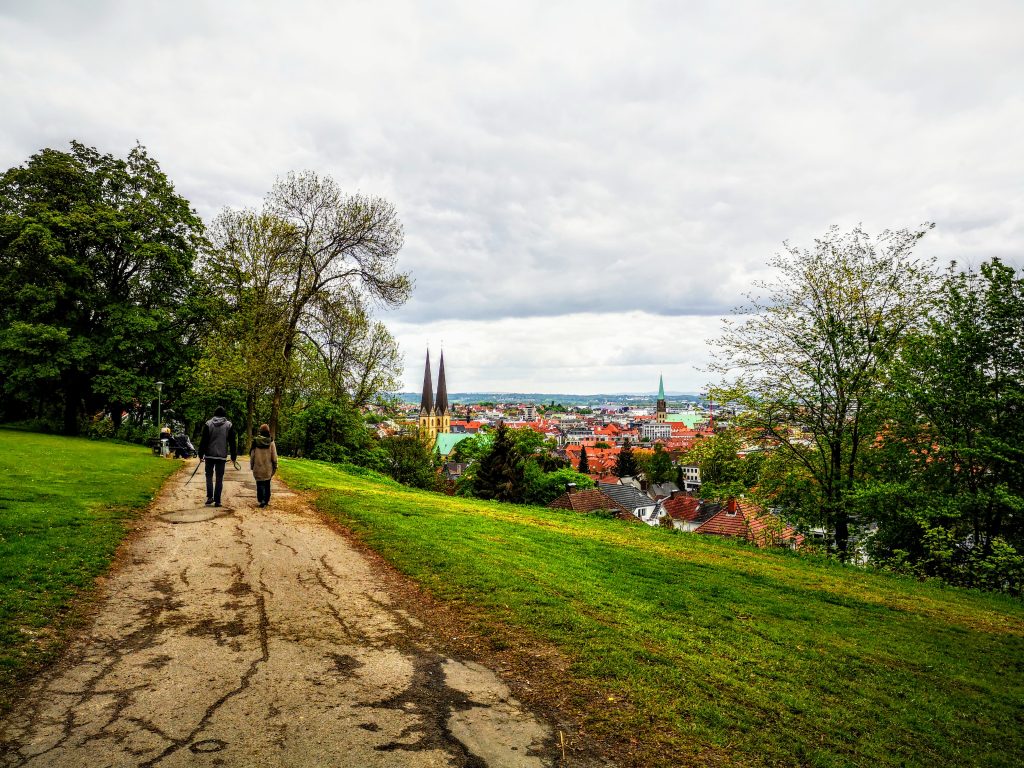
point(159, 389)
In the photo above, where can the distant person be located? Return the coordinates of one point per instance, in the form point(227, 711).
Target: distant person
point(263, 463)
point(216, 444)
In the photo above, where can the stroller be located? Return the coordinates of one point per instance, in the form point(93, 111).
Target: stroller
point(182, 447)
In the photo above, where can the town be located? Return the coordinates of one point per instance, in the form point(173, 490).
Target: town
point(593, 441)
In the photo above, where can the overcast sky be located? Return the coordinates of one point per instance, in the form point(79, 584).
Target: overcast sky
point(586, 187)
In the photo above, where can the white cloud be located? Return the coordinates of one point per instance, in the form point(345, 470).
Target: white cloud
point(551, 160)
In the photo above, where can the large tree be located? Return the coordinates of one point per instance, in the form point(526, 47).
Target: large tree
point(807, 362)
point(961, 431)
point(96, 254)
point(249, 257)
point(501, 473)
point(626, 464)
point(344, 246)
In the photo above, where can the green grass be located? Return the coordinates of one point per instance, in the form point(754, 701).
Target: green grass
point(715, 651)
point(64, 505)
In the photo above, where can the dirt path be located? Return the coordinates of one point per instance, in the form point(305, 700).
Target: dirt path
point(260, 637)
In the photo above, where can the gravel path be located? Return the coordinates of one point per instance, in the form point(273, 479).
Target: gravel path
point(260, 638)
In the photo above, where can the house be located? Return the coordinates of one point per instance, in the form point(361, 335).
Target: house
point(691, 477)
point(641, 505)
point(453, 470)
point(688, 513)
point(590, 500)
point(662, 490)
point(745, 520)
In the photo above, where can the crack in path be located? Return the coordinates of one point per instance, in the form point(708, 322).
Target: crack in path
point(261, 635)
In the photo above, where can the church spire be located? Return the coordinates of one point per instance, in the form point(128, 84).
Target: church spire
point(441, 404)
point(661, 410)
point(426, 403)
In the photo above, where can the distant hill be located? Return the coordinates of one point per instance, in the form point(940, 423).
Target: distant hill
point(540, 398)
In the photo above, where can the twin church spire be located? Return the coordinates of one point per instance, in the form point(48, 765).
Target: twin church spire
point(435, 417)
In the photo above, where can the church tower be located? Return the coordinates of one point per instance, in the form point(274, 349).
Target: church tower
point(435, 416)
point(428, 428)
point(662, 409)
point(442, 415)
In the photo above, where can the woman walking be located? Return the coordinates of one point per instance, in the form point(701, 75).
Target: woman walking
point(263, 463)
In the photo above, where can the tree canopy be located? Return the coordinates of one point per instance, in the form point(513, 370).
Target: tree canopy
point(96, 254)
point(809, 361)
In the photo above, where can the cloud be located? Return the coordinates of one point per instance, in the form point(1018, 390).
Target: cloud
point(554, 160)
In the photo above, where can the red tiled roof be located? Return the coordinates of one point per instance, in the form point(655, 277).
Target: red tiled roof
point(681, 507)
point(750, 522)
point(588, 500)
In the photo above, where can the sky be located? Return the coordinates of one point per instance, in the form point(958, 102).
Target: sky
point(586, 188)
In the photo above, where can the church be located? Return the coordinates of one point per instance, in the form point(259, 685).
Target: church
point(435, 417)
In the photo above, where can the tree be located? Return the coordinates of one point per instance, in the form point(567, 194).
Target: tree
point(541, 488)
point(500, 475)
point(344, 246)
point(626, 464)
point(408, 461)
point(659, 466)
point(808, 363)
point(961, 426)
point(359, 356)
point(248, 258)
point(584, 467)
point(723, 472)
point(96, 254)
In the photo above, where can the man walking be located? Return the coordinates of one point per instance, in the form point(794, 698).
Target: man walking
point(216, 444)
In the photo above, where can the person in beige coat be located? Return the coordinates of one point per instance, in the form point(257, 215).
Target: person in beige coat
point(263, 463)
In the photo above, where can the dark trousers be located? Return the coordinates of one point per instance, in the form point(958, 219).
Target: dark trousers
point(215, 465)
point(263, 491)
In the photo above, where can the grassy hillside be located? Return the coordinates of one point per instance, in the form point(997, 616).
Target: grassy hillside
point(64, 503)
point(706, 651)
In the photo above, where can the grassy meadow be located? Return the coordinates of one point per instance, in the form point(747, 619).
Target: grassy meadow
point(705, 651)
point(64, 505)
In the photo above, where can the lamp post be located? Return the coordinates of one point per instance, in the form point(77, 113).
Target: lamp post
point(159, 389)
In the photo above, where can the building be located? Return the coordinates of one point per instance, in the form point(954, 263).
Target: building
point(662, 408)
point(435, 417)
point(651, 431)
point(691, 478)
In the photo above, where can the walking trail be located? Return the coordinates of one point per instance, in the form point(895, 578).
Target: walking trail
point(260, 637)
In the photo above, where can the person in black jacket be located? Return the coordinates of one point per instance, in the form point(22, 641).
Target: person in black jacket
point(216, 444)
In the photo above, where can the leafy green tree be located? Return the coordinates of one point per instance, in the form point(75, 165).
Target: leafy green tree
point(541, 488)
point(626, 464)
point(584, 465)
point(248, 255)
point(809, 363)
point(954, 457)
point(328, 430)
point(408, 461)
point(96, 257)
point(723, 471)
point(500, 475)
point(658, 467)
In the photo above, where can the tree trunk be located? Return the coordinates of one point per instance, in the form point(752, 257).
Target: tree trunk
point(275, 410)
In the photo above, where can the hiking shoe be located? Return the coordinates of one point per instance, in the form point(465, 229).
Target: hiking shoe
point(209, 502)
point(216, 503)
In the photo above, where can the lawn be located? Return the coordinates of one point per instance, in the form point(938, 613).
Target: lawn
point(708, 651)
point(64, 505)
